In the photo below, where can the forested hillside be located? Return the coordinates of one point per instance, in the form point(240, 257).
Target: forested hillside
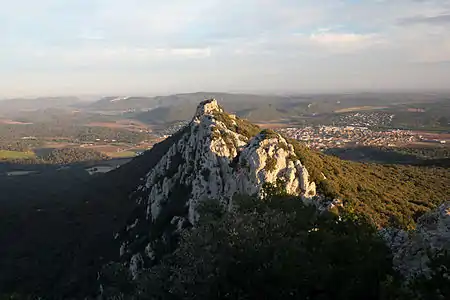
point(384, 193)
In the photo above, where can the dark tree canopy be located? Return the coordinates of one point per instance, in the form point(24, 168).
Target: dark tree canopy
point(273, 249)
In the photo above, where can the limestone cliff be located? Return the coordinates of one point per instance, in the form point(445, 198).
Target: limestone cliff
point(218, 156)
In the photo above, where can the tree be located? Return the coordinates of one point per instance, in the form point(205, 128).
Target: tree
point(272, 249)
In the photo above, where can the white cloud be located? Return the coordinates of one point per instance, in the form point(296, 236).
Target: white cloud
point(189, 52)
point(98, 56)
point(345, 42)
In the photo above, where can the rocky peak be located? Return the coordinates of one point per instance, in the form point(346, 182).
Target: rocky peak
point(208, 107)
point(217, 157)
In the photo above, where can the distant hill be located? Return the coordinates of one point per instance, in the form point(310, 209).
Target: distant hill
point(166, 114)
point(116, 103)
point(179, 107)
point(139, 103)
point(19, 104)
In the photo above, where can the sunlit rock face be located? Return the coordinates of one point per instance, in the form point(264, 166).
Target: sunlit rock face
point(268, 159)
point(412, 251)
point(211, 160)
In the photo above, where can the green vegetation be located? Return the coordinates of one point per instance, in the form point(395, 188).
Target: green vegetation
point(164, 115)
point(269, 134)
point(13, 135)
point(382, 192)
point(401, 155)
point(245, 128)
point(271, 164)
point(238, 125)
point(7, 155)
point(426, 152)
point(20, 145)
point(283, 146)
point(225, 119)
point(121, 154)
point(73, 155)
point(56, 156)
point(431, 117)
point(272, 249)
point(229, 139)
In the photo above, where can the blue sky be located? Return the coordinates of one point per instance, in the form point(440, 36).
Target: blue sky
point(54, 47)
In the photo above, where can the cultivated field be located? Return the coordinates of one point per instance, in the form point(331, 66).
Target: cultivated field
point(5, 154)
point(359, 108)
point(11, 122)
point(132, 125)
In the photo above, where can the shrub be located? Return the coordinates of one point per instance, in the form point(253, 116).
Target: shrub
point(271, 164)
point(269, 134)
point(206, 173)
point(272, 249)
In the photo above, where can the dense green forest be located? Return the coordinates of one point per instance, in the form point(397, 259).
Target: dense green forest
point(402, 155)
point(61, 156)
point(426, 152)
point(72, 155)
point(385, 193)
point(276, 249)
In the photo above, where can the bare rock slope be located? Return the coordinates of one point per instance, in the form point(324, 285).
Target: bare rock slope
point(217, 157)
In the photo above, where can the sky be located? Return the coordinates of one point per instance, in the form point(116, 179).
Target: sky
point(131, 47)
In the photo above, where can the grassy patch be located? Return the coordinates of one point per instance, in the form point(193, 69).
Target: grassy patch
point(246, 128)
point(121, 154)
point(283, 146)
point(5, 154)
point(238, 125)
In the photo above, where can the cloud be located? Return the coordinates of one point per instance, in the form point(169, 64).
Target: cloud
point(345, 42)
point(206, 44)
point(443, 19)
point(190, 52)
point(101, 56)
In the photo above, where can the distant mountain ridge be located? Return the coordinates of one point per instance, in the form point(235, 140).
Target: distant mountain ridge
point(38, 103)
point(137, 103)
point(180, 107)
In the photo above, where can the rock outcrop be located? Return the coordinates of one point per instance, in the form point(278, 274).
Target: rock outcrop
point(412, 251)
point(218, 156)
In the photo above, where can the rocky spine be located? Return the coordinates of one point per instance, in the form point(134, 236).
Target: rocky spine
point(216, 158)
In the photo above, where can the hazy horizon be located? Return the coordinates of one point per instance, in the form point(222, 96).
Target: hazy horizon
point(98, 96)
point(116, 47)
